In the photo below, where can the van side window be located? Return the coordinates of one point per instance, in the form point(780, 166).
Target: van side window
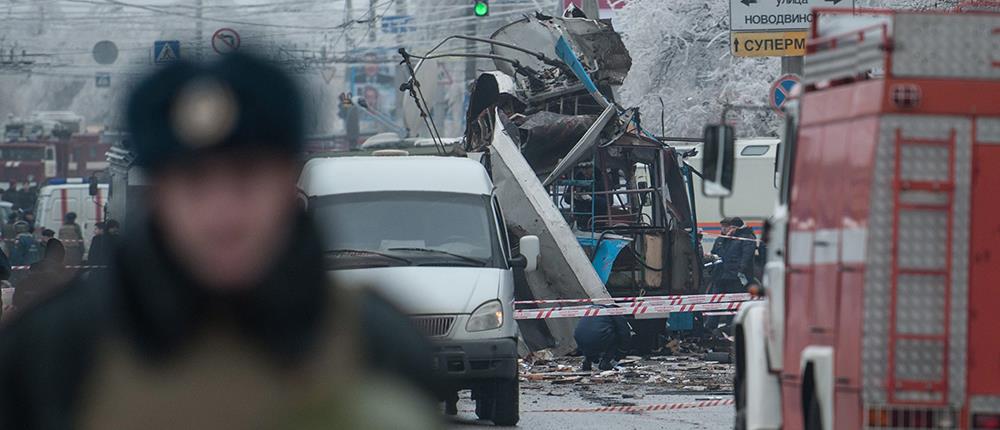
point(504, 238)
point(754, 150)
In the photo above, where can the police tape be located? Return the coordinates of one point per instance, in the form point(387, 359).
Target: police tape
point(723, 236)
point(65, 267)
point(673, 300)
point(647, 408)
point(61, 240)
point(718, 314)
point(641, 309)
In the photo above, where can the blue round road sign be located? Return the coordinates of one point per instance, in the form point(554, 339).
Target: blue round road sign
point(781, 90)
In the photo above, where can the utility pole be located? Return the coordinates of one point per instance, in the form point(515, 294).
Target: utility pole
point(347, 25)
point(371, 20)
point(402, 12)
point(470, 47)
point(591, 9)
point(791, 65)
point(198, 31)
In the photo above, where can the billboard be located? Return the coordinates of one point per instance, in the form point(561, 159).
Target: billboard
point(373, 81)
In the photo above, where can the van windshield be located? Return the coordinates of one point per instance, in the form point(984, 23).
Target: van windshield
point(380, 229)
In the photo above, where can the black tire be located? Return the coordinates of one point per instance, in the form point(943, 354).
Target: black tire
point(484, 407)
point(814, 419)
point(739, 391)
point(739, 380)
point(506, 402)
point(741, 420)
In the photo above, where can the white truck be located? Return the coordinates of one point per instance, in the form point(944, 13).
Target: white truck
point(56, 200)
point(429, 234)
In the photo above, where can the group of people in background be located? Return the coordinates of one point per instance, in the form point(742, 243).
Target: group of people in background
point(21, 196)
point(34, 260)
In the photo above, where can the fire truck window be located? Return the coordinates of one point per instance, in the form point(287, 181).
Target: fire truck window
point(754, 150)
point(22, 154)
point(49, 154)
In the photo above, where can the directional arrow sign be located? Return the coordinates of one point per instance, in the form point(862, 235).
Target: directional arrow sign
point(769, 43)
point(777, 15)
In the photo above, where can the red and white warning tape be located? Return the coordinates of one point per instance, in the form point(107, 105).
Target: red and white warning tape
point(718, 314)
point(61, 240)
point(647, 408)
point(673, 300)
point(587, 311)
point(731, 237)
point(67, 267)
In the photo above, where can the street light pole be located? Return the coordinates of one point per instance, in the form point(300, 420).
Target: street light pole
point(198, 29)
point(791, 65)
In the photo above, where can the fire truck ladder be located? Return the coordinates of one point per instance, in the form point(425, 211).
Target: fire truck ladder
point(923, 195)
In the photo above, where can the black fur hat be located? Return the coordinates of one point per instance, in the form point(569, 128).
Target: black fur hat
point(236, 104)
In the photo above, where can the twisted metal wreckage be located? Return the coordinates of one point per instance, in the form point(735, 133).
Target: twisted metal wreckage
point(610, 202)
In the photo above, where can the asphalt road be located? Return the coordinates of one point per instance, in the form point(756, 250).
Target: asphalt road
point(535, 400)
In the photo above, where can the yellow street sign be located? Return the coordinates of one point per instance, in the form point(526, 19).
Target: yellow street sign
point(768, 44)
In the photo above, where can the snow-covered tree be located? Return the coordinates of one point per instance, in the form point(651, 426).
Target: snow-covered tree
point(681, 54)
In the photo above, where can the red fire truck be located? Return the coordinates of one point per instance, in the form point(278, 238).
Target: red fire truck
point(42, 148)
point(27, 162)
point(883, 306)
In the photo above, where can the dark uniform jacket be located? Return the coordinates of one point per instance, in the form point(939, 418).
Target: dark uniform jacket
point(737, 255)
point(138, 346)
point(101, 248)
point(597, 335)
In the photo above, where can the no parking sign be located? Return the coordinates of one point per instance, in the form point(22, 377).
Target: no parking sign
point(781, 91)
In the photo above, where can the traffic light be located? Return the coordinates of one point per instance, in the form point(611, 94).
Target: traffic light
point(481, 7)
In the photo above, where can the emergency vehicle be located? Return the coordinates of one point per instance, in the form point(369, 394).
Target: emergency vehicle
point(882, 304)
point(51, 145)
point(62, 196)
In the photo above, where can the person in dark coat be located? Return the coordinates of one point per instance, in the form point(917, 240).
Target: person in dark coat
point(736, 251)
point(72, 236)
point(602, 339)
point(43, 278)
point(102, 244)
point(10, 194)
point(4, 276)
point(4, 266)
point(216, 311)
point(26, 250)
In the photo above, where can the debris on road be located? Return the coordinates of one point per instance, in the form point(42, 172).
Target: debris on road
point(686, 371)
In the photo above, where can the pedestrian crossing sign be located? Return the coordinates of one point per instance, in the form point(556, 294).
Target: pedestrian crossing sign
point(166, 51)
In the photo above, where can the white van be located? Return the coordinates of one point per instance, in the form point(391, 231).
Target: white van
point(55, 201)
point(429, 234)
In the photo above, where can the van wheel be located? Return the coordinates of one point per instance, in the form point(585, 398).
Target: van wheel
point(506, 402)
point(739, 389)
point(741, 420)
point(484, 407)
point(813, 417)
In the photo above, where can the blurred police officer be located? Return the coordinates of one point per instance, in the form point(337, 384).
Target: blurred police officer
point(216, 311)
